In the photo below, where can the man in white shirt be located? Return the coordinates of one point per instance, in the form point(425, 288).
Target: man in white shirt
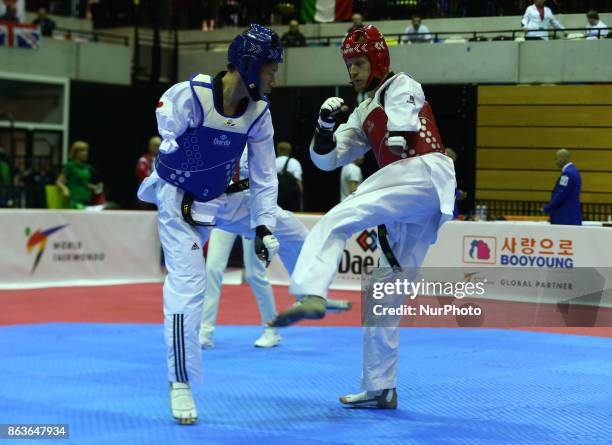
point(594, 25)
point(17, 5)
point(290, 190)
point(537, 20)
point(416, 32)
point(350, 178)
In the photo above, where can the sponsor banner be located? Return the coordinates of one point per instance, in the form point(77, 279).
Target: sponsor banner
point(469, 247)
point(64, 248)
point(512, 245)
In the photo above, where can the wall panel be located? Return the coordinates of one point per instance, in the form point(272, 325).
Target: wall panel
point(519, 129)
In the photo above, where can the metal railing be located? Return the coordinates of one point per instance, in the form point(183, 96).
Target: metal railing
point(483, 36)
point(470, 36)
point(90, 36)
point(499, 209)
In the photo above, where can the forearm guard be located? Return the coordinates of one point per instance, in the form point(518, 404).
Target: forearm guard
point(323, 141)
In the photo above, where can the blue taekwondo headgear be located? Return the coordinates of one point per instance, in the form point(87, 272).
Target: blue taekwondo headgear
point(252, 49)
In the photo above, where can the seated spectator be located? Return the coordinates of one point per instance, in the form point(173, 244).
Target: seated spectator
point(537, 20)
point(357, 20)
point(416, 32)
point(46, 24)
point(290, 189)
point(145, 166)
point(293, 37)
point(34, 178)
point(6, 180)
point(10, 14)
point(6, 176)
point(74, 181)
point(146, 163)
point(594, 24)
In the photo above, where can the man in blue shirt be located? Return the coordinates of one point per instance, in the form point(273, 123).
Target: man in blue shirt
point(564, 205)
point(460, 195)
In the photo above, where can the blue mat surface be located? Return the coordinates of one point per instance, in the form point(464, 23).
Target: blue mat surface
point(108, 382)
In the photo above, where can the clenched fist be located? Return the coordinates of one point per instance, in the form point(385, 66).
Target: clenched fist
point(329, 112)
point(266, 244)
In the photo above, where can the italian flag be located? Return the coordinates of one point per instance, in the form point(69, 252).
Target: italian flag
point(326, 10)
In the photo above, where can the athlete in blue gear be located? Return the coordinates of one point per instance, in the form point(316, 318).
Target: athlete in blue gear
point(205, 124)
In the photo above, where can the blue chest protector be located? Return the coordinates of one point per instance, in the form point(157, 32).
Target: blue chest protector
point(208, 154)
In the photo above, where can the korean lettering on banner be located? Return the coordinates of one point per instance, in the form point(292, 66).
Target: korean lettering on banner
point(543, 246)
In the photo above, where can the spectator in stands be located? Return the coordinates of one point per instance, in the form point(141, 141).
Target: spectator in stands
point(460, 195)
point(6, 176)
point(594, 24)
point(229, 12)
point(207, 12)
point(293, 37)
point(416, 32)
point(145, 166)
point(37, 174)
point(537, 19)
point(564, 205)
point(146, 163)
point(290, 189)
point(6, 181)
point(74, 181)
point(357, 22)
point(10, 13)
point(350, 178)
point(46, 24)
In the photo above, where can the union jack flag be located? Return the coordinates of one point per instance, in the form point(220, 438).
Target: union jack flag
point(19, 35)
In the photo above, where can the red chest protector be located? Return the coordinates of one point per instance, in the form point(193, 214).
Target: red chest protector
point(427, 140)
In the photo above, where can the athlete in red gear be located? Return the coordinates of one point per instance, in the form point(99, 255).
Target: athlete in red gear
point(408, 198)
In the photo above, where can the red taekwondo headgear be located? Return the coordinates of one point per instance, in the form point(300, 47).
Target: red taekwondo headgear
point(368, 42)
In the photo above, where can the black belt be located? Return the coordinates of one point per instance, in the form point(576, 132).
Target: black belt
point(188, 201)
point(239, 186)
point(386, 248)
